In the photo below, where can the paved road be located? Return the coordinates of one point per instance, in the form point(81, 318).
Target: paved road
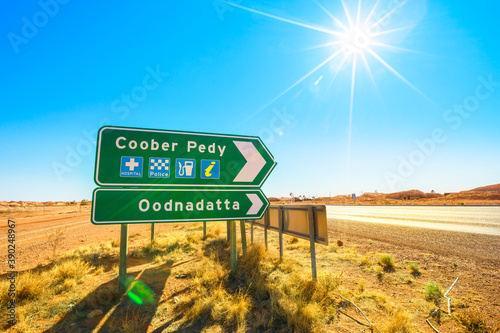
point(467, 232)
point(481, 220)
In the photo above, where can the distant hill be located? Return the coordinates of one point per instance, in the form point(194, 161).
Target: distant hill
point(404, 195)
point(412, 194)
point(486, 195)
point(495, 187)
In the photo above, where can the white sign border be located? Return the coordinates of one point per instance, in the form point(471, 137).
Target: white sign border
point(96, 177)
point(92, 219)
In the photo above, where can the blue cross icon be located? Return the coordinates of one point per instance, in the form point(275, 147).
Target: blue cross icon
point(131, 166)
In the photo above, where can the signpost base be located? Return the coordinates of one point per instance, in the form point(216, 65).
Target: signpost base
point(266, 223)
point(152, 232)
point(251, 233)
point(243, 236)
point(122, 271)
point(234, 250)
point(280, 226)
point(312, 243)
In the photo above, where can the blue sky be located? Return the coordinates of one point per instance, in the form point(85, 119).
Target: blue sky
point(427, 118)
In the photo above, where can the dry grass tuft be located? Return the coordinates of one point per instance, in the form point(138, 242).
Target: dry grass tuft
point(131, 322)
point(472, 320)
point(364, 261)
point(432, 291)
point(23, 322)
point(379, 271)
point(415, 270)
point(68, 273)
point(264, 294)
point(377, 300)
point(387, 261)
point(211, 301)
point(333, 248)
point(36, 287)
point(71, 269)
point(300, 245)
point(361, 285)
point(400, 322)
point(216, 249)
point(31, 286)
point(170, 243)
point(93, 254)
point(217, 229)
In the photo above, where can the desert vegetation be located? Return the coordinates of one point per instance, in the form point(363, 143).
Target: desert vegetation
point(182, 282)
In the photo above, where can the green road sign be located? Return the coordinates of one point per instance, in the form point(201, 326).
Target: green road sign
point(157, 158)
point(120, 206)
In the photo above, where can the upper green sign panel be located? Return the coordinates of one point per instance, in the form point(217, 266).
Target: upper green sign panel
point(146, 157)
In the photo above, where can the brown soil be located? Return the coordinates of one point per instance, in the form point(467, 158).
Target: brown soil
point(473, 258)
point(443, 256)
point(36, 228)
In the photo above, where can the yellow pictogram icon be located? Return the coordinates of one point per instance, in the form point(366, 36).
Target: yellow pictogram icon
point(208, 170)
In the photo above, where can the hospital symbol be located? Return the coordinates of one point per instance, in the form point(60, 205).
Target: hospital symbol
point(131, 166)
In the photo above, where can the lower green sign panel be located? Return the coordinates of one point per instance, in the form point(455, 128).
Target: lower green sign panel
point(119, 206)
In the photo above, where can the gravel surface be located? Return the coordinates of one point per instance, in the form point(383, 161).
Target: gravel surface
point(474, 258)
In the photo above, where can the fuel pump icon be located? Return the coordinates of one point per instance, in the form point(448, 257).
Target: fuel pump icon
point(185, 168)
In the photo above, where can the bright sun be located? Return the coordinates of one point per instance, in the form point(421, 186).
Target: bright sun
point(356, 38)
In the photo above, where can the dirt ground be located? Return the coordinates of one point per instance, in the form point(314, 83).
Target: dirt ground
point(37, 230)
point(473, 258)
point(443, 255)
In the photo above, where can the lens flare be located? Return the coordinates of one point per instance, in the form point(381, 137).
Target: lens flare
point(138, 292)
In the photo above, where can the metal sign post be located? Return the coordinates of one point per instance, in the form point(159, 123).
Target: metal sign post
point(234, 253)
point(280, 231)
point(312, 243)
point(243, 237)
point(266, 224)
point(122, 270)
point(251, 233)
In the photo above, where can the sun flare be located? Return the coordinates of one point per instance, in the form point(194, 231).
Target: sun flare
point(357, 38)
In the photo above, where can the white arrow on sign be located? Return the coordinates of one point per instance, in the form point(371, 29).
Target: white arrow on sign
point(256, 204)
point(255, 162)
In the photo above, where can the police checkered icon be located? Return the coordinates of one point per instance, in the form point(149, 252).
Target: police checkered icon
point(159, 164)
point(159, 167)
